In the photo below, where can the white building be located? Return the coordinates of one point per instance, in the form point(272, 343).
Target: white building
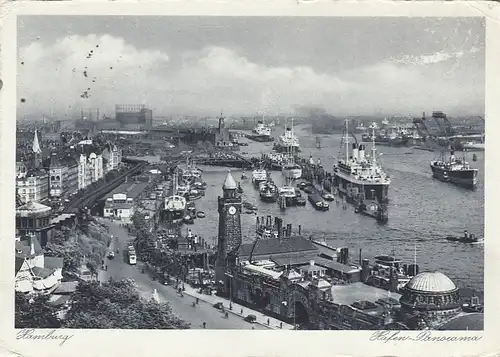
point(90, 168)
point(33, 186)
point(122, 201)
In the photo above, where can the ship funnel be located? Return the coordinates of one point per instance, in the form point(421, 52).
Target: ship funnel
point(355, 151)
point(361, 152)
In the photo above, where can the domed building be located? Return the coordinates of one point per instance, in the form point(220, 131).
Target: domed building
point(431, 294)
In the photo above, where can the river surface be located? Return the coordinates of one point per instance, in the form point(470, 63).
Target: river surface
point(422, 211)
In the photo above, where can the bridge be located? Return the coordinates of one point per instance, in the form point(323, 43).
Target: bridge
point(92, 196)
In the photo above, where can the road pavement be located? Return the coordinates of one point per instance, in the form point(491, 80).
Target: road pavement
point(118, 268)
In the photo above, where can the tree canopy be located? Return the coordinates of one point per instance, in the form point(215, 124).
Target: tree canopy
point(34, 312)
point(117, 305)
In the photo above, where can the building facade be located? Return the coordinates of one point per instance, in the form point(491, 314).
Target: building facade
point(33, 186)
point(122, 201)
point(63, 179)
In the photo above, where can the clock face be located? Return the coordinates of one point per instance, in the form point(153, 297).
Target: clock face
point(232, 210)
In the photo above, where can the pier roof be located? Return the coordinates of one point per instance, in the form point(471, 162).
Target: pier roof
point(268, 247)
point(350, 293)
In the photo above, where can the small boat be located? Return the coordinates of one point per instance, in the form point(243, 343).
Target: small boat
point(473, 305)
point(188, 220)
point(244, 176)
point(474, 157)
point(318, 203)
point(200, 214)
point(466, 238)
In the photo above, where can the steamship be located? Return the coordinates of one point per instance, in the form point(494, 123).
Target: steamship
point(287, 142)
point(261, 133)
point(358, 175)
point(454, 170)
point(175, 205)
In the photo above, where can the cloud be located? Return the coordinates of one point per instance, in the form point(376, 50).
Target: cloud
point(215, 78)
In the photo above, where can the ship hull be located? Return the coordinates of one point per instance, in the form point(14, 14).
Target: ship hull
point(293, 174)
point(173, 216)
point(260, 138)
point(286, 149)
point(268, 197)
point(464, 178)
point(344, 184)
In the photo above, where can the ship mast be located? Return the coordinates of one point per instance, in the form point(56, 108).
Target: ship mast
point(374, 156)
point(346, 138)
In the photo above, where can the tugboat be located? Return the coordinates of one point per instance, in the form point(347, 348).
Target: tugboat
point(268, 191)
point(466, 238)
point(454, 170)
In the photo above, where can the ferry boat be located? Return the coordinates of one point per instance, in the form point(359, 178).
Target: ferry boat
point(258, 176)
point(287, 141)
point(359, 176)
point(268, 191)
point(454, 170)
point(318, 203)
point(261, 133)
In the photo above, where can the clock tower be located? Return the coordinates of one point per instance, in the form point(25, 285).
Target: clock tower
point(229, 240)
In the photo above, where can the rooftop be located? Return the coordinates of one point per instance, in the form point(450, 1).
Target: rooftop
point(350, 293)
point(268, 247)
point(131, 189)
point(433, 282)
point(31, 208)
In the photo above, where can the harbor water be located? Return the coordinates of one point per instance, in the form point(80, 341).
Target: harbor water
point(422, 211)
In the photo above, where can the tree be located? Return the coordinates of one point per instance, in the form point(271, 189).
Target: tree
point(35, 312)
point(117, 304)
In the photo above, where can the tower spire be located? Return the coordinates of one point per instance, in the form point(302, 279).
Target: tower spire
point(36, 144)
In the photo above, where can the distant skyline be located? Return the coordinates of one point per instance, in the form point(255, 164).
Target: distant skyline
point(250, 65)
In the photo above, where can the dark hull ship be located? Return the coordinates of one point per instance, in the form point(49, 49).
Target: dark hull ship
point(454, 170)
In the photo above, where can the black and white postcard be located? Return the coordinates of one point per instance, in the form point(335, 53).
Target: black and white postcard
point(175, 179)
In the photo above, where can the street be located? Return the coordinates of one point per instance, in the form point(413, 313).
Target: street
point(118, 268)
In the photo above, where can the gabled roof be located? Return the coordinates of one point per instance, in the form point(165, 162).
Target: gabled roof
point(19, 263)
point(268, 247)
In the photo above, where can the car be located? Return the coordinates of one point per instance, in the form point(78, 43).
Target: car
point(218, 305)
point(111, 255)
point(250, 318)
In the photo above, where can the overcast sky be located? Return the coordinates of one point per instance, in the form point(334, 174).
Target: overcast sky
point(200, 65)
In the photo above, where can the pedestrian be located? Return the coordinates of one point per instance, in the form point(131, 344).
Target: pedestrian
point(241, 311)
point(281, 324)
point(197, 300)
point(204, 324)
point(268, 322)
